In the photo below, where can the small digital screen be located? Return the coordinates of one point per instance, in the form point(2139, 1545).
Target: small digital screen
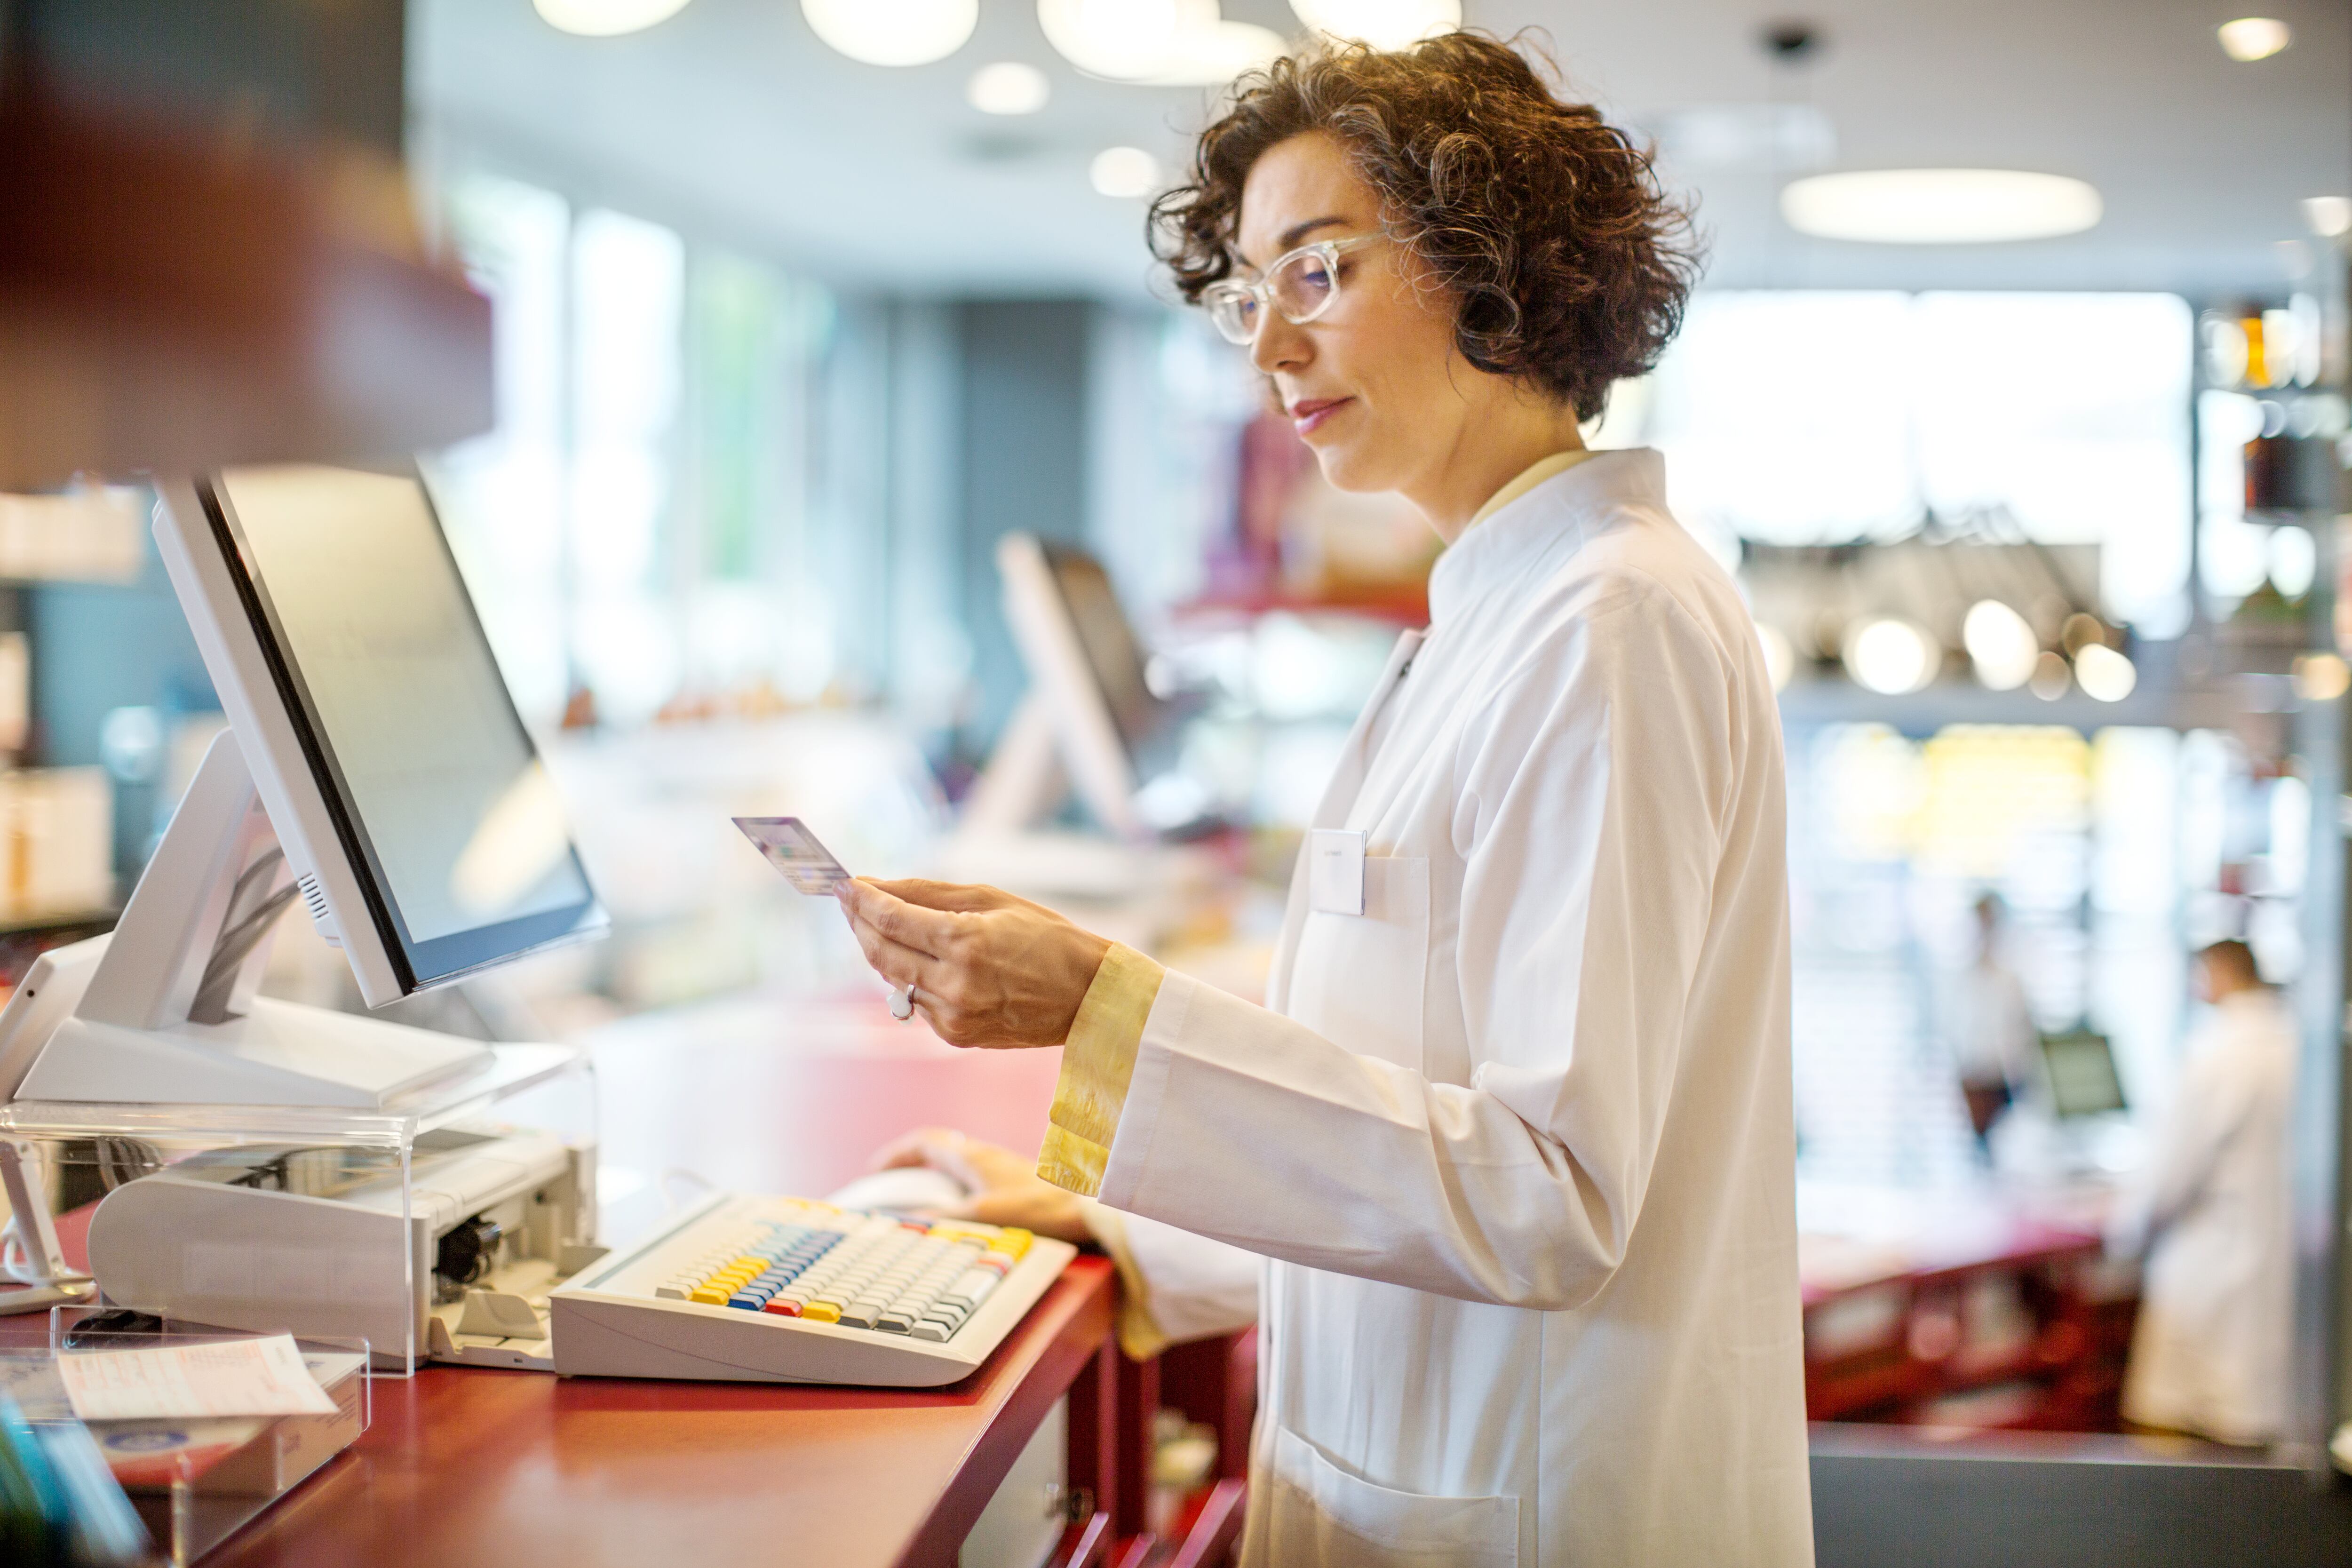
point(461, 825)
point(2081, 1071)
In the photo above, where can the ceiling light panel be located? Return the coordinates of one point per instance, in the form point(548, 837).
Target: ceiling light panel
point(2250, 38)
point(1383, 24)
point(893, 32)
point(1162, 43)
point(605, 18)
point(1939, 206)
point(1008, 86)
point(1124, 172)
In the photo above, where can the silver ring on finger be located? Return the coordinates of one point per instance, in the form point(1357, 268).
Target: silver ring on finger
point(902, 1003)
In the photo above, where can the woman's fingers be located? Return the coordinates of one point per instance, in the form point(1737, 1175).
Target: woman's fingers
point(927, 931)
point(908, 1149)
point(899, 965)
point(960, 898)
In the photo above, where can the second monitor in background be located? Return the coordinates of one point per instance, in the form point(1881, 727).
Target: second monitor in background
point(1090, 722)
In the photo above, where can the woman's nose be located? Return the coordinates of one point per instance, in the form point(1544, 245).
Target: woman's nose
point(1279, 344)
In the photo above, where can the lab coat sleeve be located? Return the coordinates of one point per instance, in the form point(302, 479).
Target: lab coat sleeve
point(1175, 1286)
point(1591, 791)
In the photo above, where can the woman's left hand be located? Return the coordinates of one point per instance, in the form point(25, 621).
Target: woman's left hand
point(988, 968)
point(1004, 1188)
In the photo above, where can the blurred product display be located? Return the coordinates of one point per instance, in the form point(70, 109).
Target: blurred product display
point(176, 289)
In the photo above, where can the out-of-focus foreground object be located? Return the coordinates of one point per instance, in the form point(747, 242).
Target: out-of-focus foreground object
point(208, 254)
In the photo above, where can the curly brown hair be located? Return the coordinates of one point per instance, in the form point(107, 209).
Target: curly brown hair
point(1567, 262)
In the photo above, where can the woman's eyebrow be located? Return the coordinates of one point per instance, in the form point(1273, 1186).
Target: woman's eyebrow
point(1298, 231)
point(1287, 241)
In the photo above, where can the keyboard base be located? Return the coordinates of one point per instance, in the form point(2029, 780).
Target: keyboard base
point(606, 1322)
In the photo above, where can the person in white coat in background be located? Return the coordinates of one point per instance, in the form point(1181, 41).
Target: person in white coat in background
point(2212, 1212)
point(1513, 1131)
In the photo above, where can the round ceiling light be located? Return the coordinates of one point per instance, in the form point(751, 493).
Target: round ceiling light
point(2002, 646)
point(1162, 43)
point(1008, 86)
point(1893, 658)
point(1383, 24)
point(893, 32)
point(605, 18)
point(2104, 675)
point(2250, 38)
point(1938, 207)
point(1124, 172)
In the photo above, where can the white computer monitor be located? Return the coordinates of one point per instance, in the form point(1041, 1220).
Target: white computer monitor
point(1088, 706)
point(427, 838)
point(374, 767)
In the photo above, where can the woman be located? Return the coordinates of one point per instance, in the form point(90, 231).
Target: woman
point(1514, 1128)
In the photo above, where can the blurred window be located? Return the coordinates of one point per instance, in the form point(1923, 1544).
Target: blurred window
point(642, 526)
point(1818, 417)
point(2112, 857)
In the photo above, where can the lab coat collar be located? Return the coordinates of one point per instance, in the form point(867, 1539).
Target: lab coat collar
point(1546, 525)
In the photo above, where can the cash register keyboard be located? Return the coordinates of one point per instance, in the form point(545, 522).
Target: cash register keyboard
point(789, 1290)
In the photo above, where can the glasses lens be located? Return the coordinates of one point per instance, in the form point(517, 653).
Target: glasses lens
point(1303, 287)
point(1233, 311)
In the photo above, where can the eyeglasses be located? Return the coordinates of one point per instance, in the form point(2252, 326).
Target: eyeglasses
point(1300, 284)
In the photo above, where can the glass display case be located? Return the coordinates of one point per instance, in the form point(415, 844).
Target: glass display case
point(417, 1228)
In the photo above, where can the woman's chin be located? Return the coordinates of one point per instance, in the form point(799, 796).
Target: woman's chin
point(1350, 465)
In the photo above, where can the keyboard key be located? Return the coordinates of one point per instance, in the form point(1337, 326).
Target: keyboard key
point(972, 1289)
point(927, 1328)
point(820, 1313)
point(895, 1322)
point(744, 1303)
point(707, 1296)
point(855, 1316)
point(783, 1307)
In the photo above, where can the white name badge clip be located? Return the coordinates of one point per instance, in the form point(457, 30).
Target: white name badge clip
point(1335, 871)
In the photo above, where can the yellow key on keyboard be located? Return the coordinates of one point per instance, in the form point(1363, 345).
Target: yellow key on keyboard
point(820, 1313)
point(708, 1296)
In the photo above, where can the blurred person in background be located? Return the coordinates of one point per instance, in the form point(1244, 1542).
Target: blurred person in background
point(1993, 1040)
point(2210, 1212)
point(1513, 1136)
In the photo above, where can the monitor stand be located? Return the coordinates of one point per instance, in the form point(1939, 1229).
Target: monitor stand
point(171, 1016)
point(1000, 839)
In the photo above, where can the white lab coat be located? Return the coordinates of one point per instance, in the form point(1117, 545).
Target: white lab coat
point(1517, 1139)
point(2209, 1353)
point(1993, 1034)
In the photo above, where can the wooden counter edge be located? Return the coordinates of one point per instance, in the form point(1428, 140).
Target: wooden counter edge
point(1069, 1325)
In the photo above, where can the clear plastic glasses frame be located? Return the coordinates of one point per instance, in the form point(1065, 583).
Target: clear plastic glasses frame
point(1300, 283)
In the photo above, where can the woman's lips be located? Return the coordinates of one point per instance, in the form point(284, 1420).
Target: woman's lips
point(1309, 412)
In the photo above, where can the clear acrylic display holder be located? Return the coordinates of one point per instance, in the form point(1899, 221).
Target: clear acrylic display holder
point(325, 1224)
point(194, 1483)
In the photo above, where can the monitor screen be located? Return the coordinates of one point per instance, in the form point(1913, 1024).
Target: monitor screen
point(443, 806)
point(2082, 1072)
point(1112, 653)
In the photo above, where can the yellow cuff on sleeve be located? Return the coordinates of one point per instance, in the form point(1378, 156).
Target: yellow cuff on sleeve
point(1097, 1063)
point(1139, 1335)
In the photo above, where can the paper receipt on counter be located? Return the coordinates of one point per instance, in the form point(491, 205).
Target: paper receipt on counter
point(227, 1377)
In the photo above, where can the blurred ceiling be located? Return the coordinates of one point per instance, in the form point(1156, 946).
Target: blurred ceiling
point(734, 123)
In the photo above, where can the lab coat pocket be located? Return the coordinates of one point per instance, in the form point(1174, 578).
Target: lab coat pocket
point(1356, 980)
point(1323, 1514)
